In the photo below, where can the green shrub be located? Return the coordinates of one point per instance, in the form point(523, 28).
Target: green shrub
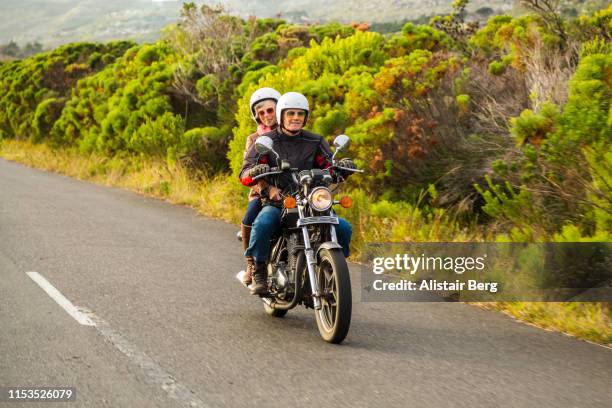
point(24, 84)
point(333, 123)
point(532, 127)
point(417, 37)
point(564, 171)
point(112, 110)
point(156, 135)
point(497, 67)
point(47, 112)
point(463, 102)
point(201, 148)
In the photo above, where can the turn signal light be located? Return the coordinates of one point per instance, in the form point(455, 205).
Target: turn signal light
point(289, 202)
point(346, 202)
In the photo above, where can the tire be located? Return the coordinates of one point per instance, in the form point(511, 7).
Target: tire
point(334, 318)
point(274, 312)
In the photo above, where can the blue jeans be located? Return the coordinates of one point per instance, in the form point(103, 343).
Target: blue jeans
point(253, 208)
point(269, 221)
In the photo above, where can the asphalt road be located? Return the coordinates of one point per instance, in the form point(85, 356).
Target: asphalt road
point(175, 328)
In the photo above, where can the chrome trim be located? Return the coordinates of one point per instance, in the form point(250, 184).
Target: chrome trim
point(311, 264)
point(324, 219)
point(334, 237)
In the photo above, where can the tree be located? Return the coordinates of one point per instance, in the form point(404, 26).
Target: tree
point(31, 49)
point(11, 49)
point(550, 13)
point(212, 43)
point(454, 25)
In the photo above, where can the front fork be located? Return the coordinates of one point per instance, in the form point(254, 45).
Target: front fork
point(312, 262)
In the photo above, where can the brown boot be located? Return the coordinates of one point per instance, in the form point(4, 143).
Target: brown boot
point(246, 237)
point(260, 280)
point(247, 278)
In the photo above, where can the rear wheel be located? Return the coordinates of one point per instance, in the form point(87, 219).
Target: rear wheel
point(334, 318)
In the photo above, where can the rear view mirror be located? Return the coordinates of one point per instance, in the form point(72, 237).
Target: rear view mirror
point(263, 145)
point(341, 142)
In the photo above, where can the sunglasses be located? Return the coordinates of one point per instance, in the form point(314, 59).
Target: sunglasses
point(299, 114)
point(264, 111)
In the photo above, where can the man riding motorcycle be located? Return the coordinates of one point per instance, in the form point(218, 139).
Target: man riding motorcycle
point(304, 150)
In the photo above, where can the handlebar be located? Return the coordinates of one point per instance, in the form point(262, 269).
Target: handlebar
point(347, 169)
point(275, 170)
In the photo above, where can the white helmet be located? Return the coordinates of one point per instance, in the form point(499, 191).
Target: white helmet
point(291, 100)
point(260, 95)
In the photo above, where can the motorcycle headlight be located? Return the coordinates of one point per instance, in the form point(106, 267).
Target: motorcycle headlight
point(321, 199)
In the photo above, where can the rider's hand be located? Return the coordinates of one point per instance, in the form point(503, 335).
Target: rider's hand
point(348, 163)
point(274, 193)
point(258, 169)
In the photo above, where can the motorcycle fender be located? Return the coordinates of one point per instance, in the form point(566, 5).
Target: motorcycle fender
point(328, 245)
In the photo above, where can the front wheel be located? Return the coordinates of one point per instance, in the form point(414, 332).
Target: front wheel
point(334, 318)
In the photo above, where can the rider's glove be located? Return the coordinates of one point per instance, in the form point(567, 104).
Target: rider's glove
point(346, 163)
point(258, 169)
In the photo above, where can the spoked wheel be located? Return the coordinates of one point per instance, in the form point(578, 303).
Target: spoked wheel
point(334, 318)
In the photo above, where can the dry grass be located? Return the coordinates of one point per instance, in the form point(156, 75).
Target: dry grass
point(214, 197)
point(588, 321)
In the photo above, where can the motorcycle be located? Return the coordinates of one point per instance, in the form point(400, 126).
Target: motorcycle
point(306, 264)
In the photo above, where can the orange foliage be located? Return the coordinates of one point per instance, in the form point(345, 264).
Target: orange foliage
point(360, 26)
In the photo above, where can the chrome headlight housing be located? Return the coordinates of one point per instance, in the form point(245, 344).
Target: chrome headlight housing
point(321, 199)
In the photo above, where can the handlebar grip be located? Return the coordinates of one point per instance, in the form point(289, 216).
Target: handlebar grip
point(270, 173)
point(347, 169)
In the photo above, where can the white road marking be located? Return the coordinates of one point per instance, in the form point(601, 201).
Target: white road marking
point(60, 299)
point(154, 373)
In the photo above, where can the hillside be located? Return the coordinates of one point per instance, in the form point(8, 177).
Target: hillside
point(56, 22)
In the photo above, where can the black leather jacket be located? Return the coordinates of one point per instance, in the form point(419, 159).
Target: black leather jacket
point(305, 151)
